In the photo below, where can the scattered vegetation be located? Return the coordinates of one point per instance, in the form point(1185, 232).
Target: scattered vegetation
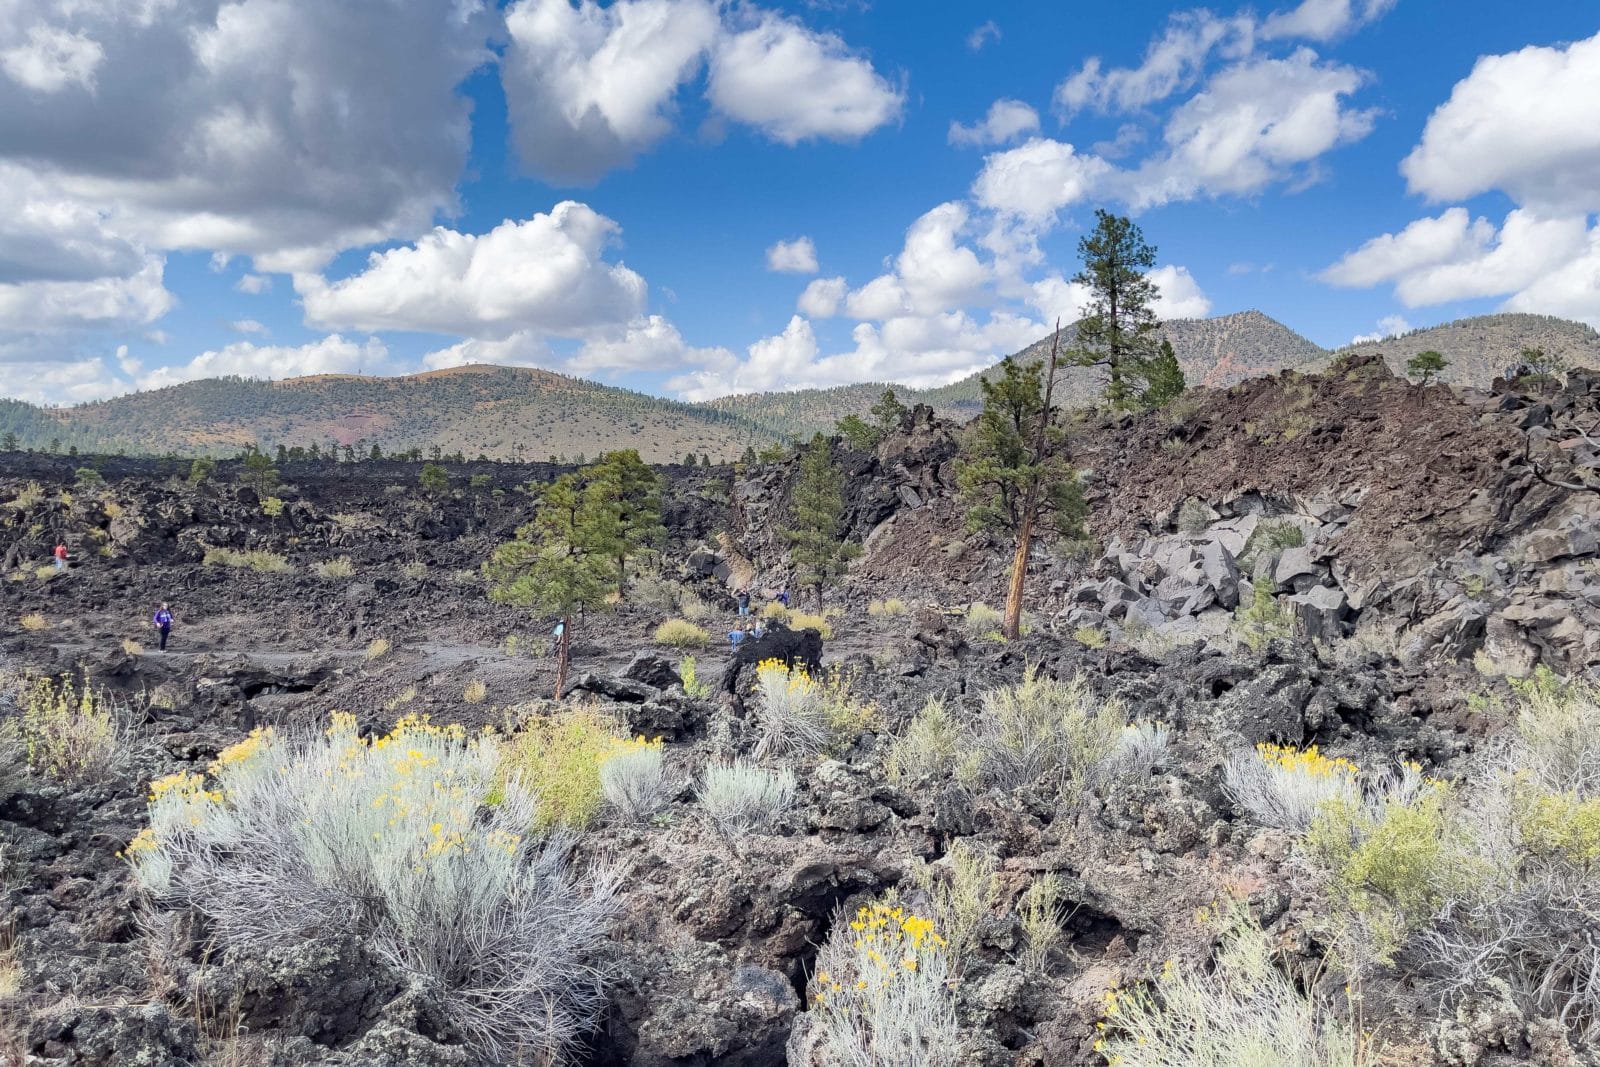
point(891, 608)
point(335, 569)
point(67, 732)
point(34, 622)
point(558, 758)
point(680, 633)
point(1043, 924)
point(963, 890)
point(377, 648)
point(741, 796)
point(802, 716)
point(272, 507)
point(447, 891)
point(132, 647)
point(929, 749)
point(256, 559)
point(981, 620)
point(476, 692)
point(692, 683)
point(1244, 1012)
point(1090, 637)
point(881, 992)
point(1265, 618)
point(414, 571)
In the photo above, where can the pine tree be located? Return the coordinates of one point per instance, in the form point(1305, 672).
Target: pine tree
point(433, 479)
point(624, 499)
point(1118, 333)
point(549, 568)
point(1163, 378)
point(259, 472)
point(1013, 473)
point(816, 504)
point(888, 412)
point(1424, 365)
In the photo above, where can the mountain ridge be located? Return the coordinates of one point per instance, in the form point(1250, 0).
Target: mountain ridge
point(532, 413)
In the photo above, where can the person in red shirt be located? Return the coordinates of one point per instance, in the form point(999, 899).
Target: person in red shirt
point(61, 556)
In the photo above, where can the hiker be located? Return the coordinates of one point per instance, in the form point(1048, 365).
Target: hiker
point(61, 556)
point(783, 596)
point(162, 621)
point(735, 635)
point(744, 604)
point(756, 631)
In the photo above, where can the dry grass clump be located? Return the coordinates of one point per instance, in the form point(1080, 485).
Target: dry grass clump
point(930, 747)
point(47, 572)
point(1089, 637)
point(132, 647)
point(67, 733)
point(476, 692)
point(377, 648)
point(332, 569)
point(414, 571)
point(393, 838)
point(741, 796)
point(256, 559)
point(891, 607)
point(634, 781)
point(34, 622)
point(1044, 733)
point(680, 633)
point(1244, 1012)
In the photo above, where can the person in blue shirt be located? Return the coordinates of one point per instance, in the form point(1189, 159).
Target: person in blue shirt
point(735, 636)
point(162, 621)
point(783, 596)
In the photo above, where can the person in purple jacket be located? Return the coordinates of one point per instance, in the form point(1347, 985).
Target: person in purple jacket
point(162, 621)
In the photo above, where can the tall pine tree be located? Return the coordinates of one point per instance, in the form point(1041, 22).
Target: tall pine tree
point(551, 567)
point(624, 497)
point(817, 549)
point(1119, 330)
point(1013, 473)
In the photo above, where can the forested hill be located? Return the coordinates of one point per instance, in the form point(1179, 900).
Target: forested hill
point(515, 412)
point(500, 412)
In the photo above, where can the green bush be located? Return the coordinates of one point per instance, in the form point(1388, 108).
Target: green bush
point(1089, 637)
point(680, 633)
point(1044, 733)
point(272, 507)
point(558, 758)
point(890, 608)
point(255, 559)
point(333, 569)
point(1265, 618)
point(201, 469)
point(930, 747)
point(740, 796)
point(71, 734)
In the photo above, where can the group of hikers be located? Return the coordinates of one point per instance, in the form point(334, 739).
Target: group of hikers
point(755, 630)
point(161, 620)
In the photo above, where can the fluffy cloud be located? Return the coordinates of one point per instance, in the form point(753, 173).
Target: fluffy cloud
point(1172, 63)
point(248, 326)
point(253, 284)
point(1037, 179)
point(796, 257)
point(589, 87)
point(1006, 121)
point(650, 343)
point(197, 133)
point(823, 297)
point(50, 59)
point(1527, 123)
point(521, 349)
point(545, 274)
point(795, 84)
point(1388, 326)
point(1179, 295)
point(331, 355)
point(55, 381)
point(1434, 261)
point(1255, 123)
point(100, 303)
point(45, 236)
point(983, 35)
point(1324, 20)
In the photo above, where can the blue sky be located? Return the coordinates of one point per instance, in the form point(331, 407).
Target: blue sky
point(694, 198)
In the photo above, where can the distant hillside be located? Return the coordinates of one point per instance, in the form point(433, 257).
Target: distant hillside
point(507, 412)
point(495, 411)
point(1212, 352)
point(1479, 349)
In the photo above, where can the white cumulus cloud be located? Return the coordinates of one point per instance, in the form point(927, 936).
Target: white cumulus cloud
point(1324, 20)
point(1527, 123)
point(1006, 121)
point(330, 355)
point(798, 256)
point(823, 297)
point(546, 273)
point(795, 84)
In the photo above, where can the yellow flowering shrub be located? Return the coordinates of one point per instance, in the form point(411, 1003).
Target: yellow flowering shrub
point(880, 990)
point(558, 759)
point(805, 714)
point(297, 835)
point(1559, 824)
point(1284, 787)
point(67, 733)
